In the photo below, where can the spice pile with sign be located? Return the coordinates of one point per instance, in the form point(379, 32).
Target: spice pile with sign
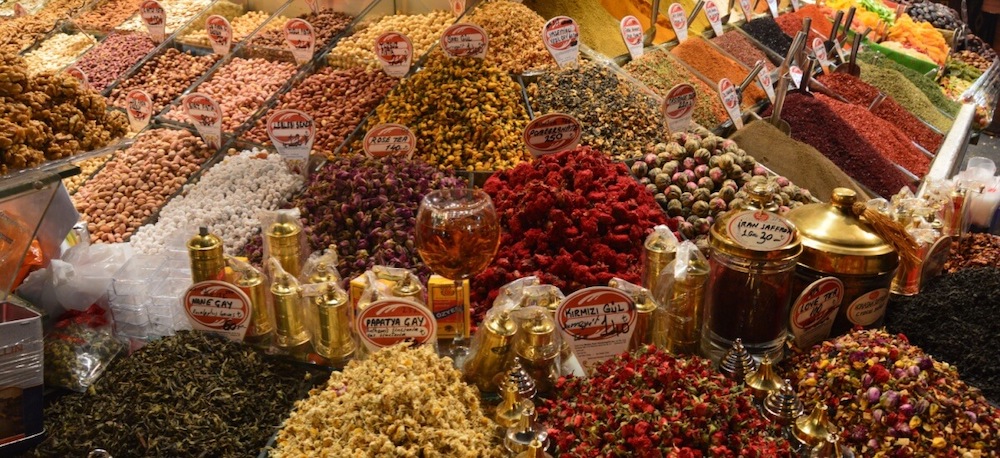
point(164, 77)
point(241, 26)
point(698, 53)
point(661, 71)
point(178, 13)
point(107, 61)
point(327, 24)
point(107, 14)
point(906, 94)
point(515, 36)
point(423, 31)
point(598, 28)
point(57, 52)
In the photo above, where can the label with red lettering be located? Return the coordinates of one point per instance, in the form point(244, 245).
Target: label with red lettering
point(552, 133)
point(678, 21)
point(747, 8)
point(389, 140)
point(395, 53)
point(75, 72)
point(465, 40)
point(815, 310)
point(300, 39)
point(391, 321)
point(155, 18)
point(631, 30)
point(796, 73)
point(714, 17)
point(819, 49)
point(597, 322)
point(760, 230)
point(457, 7)
point(220, 33)
point(772, 5)
point(869, 308)
point(292, 132)
point(678, 106)
point(731, 101)
point(313, 6)
point(218, 307)
point(764, 78)
point(139, 107)
point(20, 10)
point(561, 36)
point(205, 114)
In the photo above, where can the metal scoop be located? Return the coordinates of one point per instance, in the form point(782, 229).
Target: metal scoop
point(694, 12)
point(749, 79)
point(829, 43)
point(851, 67)
point(779, 102)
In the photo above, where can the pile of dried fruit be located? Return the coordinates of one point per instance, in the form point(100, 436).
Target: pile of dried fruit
point(401, 401)
point(651, 404)
point(573, 219)
point(892, 399)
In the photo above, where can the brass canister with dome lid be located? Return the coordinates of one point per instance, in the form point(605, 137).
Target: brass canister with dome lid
point(843, 275)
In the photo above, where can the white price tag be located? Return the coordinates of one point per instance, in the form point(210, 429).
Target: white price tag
point(764, 78)
point(395, 53)
point(552, 133)
point(679, 22)
point(292, 132)
point(631, 30)
point(561, 36)
point(731, 101)
point(205, 114)
point(678, 106)
point(597, 322)
point(714, 17)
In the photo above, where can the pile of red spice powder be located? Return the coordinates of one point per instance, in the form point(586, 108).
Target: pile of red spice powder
point(815, 123)
point(707, 60)
point(650, 404)
point(862, 93)
point(574, 219)
point(791, 23)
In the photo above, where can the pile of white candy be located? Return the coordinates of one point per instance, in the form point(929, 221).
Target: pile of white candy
point(226, 199)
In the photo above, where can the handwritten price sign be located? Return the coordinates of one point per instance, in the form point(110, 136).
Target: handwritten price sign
point(597, 323)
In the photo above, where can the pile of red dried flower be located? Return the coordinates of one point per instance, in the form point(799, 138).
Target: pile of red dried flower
point(574, 219)
point(650, 404)
point(976, 250)
point(892, 399)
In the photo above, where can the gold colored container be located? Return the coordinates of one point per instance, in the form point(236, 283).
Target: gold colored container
point(813, 429)
point(207, 259)
point(645, 328)
point(492, 352)
point(290, 327)
point(656, 254)
point(283, 242)
point(333, 339)
point(407, 288)
point(548, 300)
point(764, 380)
point(837, 243)
point(511, 409)
point(261, 327)
point(537, 346)
point(685, 313)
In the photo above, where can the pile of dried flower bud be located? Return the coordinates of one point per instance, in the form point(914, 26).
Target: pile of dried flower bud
point(574, 219)
point(515, 36)
point(650, 404)
point(892, 399)
point(976, 250)
point(367, 208)
point(402, 401)
point(697, 176)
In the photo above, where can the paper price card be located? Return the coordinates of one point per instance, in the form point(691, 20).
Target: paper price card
point(292, 132)
point(205, 114)
point(391, 321)
point(760, 230)
point(155, 18)
point(552, 133)
point(75, 72)
point(678, 106)
point(300, 39)
point(20, 10)
point(139, 107)
point(220, 33)
point(395, 52)
point(814, 311)
point(747, 7)
point(868, 308)
point(731, 101)
point(714, 17)
point(465, 40)
point(679, 22)
point(219, 308)
point(819, 48)
point(597, 322)
point(631, 30)
point(772, 5)
point(766, 83)
point(796, 73)
point(457, 7)
point(561, 36)
point(389, 140)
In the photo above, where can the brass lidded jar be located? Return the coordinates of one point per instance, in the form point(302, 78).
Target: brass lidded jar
point(284, 244)
point(843, 275)
point(207, 259)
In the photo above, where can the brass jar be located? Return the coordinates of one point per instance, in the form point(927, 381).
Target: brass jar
point(207, 259)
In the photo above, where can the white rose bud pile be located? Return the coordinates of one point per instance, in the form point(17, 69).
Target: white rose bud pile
point(226, 200)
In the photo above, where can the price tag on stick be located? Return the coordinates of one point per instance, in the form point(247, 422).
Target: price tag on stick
point(313, 6)
point(597, 322)
point(747, 7)
point(75, 72)
point(155, 18)
point(206, 116)
point(631, 30)
point(218, 307)
point(20, 10)
point(731, 101)
point(714, 17)
point(678, 21)
point(796, 73)
point(764, 78)
point(819, 48)
point(552, 133)
point(796, 5)
point(395, 53)
point(465, 40)
point(139, 107)
point(220, 33)
point(301, 39)
point(391, 321)
point(561, 36)
point(389, 140)
point(678, 106)
point(292, 132)
point(457, 7)
point(772, 5)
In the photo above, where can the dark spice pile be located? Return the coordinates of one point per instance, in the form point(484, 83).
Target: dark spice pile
point(767, 31)
point(976, 250)
point(573, 219)
point(703, 57)
point(815, 123)
point(617, 117)
point(862, 93)
point(741, 48)
point(650, 404)
point(954, 319)
point(186, 395)
point(661, 71)
point(367, 209)
point(889, 398)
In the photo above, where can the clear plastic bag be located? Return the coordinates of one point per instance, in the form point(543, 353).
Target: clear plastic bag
point(79, 349)
point(682, 292)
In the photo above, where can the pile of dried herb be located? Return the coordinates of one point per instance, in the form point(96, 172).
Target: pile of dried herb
point(951, 314)
point(186, 395)
point(661, 71)
point(976, 250)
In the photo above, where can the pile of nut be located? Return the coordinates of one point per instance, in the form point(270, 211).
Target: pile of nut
point(57, 52)
point(87, 168)
point(327, 24)
point(466, 113)
point(164, 77)
point(49, 117)
point(242, 26)
point(179, 12)
point(17, 34)
point(978, 61)
point(104, 63)
point(423, 30)
point(137, 182)
point(515, 33)
point(107, 14)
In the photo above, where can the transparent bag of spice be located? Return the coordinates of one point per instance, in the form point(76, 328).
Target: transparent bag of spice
point(284, 239)
point(79, 348)
point(683, 297)
point(648, 310)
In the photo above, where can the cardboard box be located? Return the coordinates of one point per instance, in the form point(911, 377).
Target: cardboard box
point(451, 315)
